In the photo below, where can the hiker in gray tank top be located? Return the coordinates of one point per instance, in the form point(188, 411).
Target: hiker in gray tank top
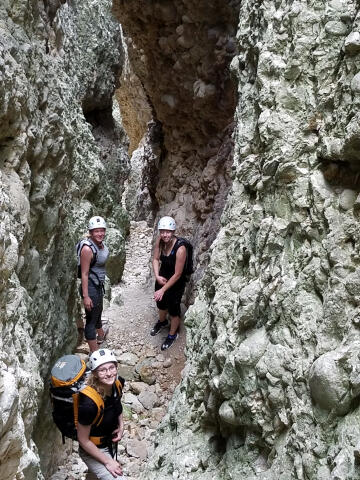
point(97, 271)
point(92, 281)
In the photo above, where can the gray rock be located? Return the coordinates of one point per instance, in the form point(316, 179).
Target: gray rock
point(148, 399)
point(136, 448)
point(334, 379)
point(347, 199)
point(352, 43)
point(138, 387)
point(127, 372)
point(128, 358)
point(147, 375)
point(336, 28)
point(167, 362)
point(355, 83)
point(227, 414)
point(132, 400)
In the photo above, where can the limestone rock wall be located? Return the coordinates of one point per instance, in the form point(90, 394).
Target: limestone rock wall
point(62, 159)
point(180, 52)
point(271, 388)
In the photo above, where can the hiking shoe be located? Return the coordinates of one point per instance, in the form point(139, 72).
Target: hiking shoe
point(157, 327)
point(100, 339)
point(169, 342)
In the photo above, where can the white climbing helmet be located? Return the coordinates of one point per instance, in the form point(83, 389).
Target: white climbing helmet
point(167, 223)
point(96, 222)
point(99, 357)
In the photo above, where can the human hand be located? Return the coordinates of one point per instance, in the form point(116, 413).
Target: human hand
point(158, 295)
point(113, 467)
point(161, 280)
point(88, 304)
point(117, 434)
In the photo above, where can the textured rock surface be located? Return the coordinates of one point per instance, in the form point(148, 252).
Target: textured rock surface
point(60, 161)
point(180, 52)
point(271, 386)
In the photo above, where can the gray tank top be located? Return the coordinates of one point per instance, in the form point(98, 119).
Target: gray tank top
point(99, 267)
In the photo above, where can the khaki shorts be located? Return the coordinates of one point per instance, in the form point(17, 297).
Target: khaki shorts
point(97, 470)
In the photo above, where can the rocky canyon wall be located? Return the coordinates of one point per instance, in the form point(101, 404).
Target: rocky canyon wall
point(272, 382)
point(180, 54)
point(271, 387)
point(62, 159)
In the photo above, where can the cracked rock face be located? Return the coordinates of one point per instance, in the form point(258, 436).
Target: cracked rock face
point(60, 151)
point(180, 52)
point(271, 385)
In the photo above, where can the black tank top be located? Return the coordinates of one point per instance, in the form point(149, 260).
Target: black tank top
point(167, 267)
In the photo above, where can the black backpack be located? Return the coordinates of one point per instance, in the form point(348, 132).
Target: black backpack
point(79, 247)
point(189, 263)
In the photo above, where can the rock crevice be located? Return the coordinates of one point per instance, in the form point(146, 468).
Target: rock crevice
point(56, 59)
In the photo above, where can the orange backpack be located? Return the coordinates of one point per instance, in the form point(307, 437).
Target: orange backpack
point(68, 379)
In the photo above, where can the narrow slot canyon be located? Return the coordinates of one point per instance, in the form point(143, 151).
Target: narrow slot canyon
point(178, 78)
point(241, 121)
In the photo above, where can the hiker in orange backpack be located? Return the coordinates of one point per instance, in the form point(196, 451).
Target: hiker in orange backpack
point(93, 254)
point(97, 437)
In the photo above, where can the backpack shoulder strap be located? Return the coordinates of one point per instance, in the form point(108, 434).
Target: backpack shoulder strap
point(118, 387)
point(90, 244)
point(99, 402)
point(180, 242)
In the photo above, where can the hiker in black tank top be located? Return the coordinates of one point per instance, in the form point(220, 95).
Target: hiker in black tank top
point(168, 264)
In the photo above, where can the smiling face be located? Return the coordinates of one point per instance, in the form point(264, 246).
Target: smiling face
point(166, 235)
point(106, 373)
point(97, 235)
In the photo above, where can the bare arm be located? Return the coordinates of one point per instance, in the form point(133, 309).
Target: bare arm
point(85, 261)
point(118, 433)
point(179, 267)
point(156, 263)
point(83, 434)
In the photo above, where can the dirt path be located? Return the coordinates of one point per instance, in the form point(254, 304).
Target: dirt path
point(151, 375)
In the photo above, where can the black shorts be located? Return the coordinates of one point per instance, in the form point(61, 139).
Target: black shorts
point(172, 298)
point(93, 316)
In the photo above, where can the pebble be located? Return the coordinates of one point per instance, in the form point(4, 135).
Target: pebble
point(168, 362)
